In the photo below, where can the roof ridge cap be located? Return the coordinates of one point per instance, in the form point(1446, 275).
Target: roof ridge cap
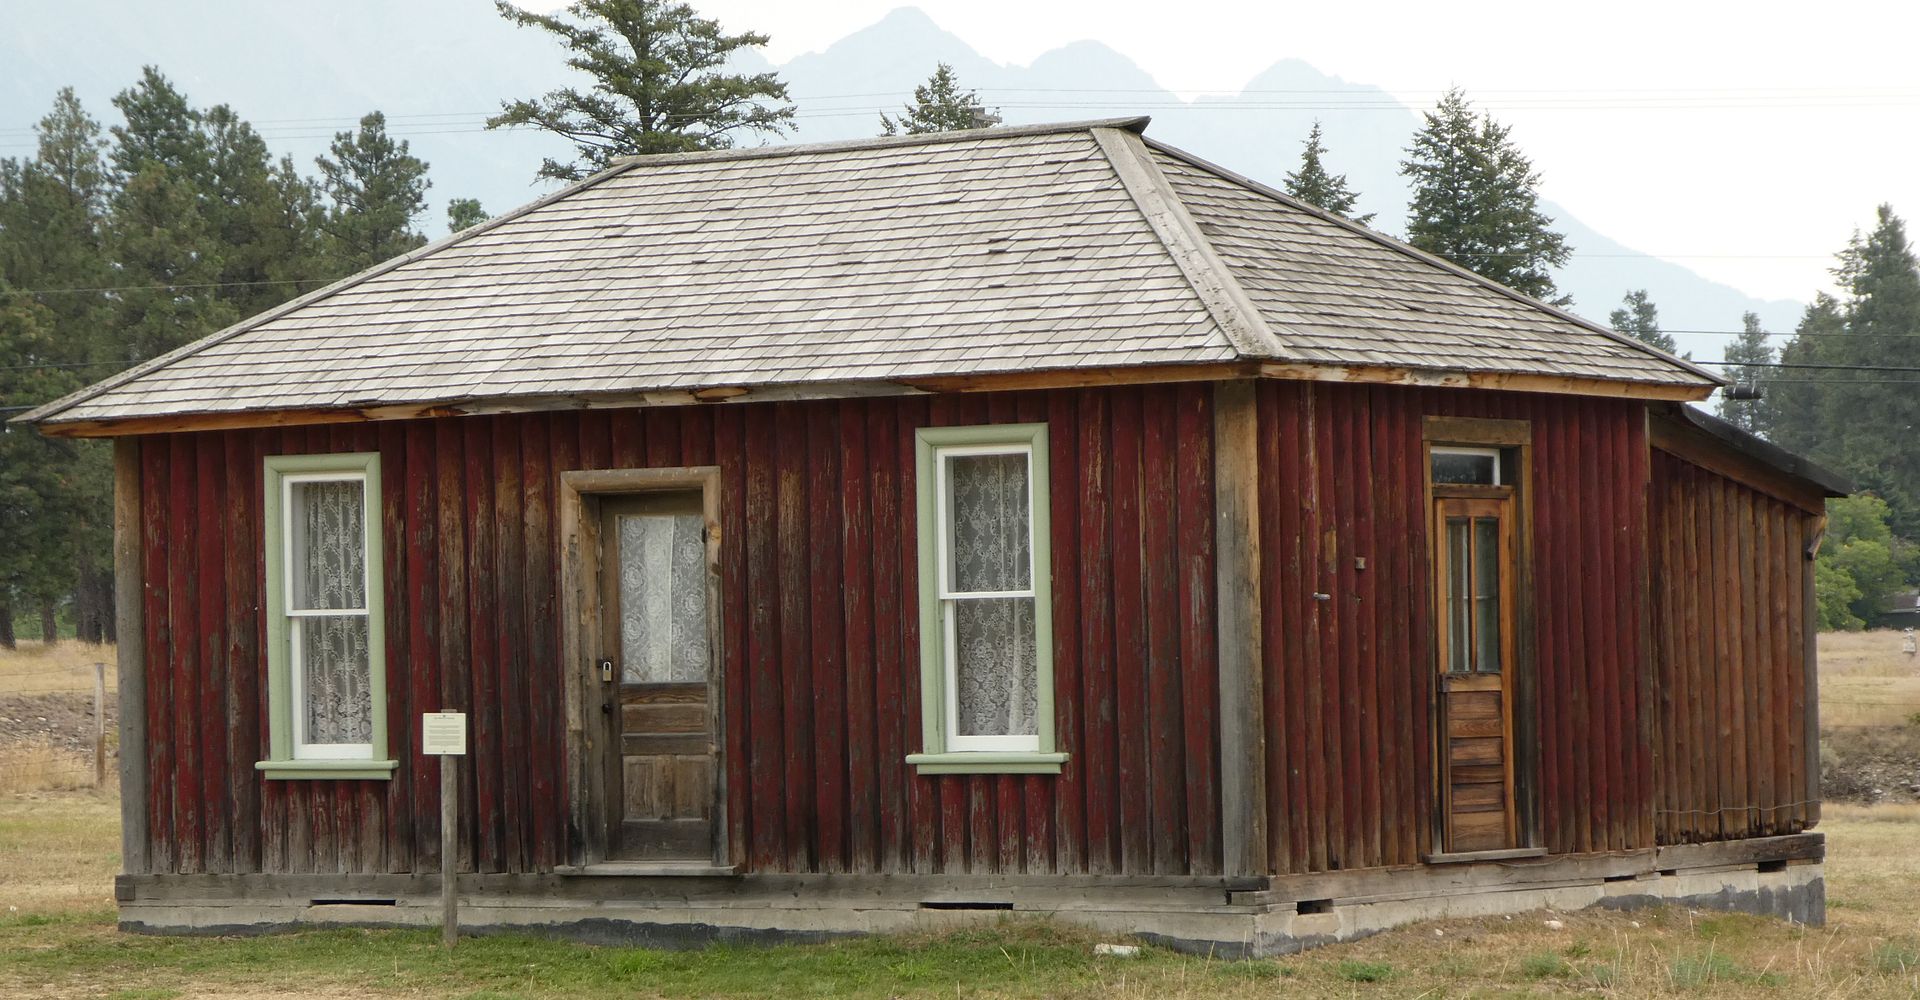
point(1244, 326)
point(1134, 123)
point(52, 408)
point(1410, 250)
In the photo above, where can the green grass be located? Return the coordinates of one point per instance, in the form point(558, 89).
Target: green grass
point(1022, 956)
point(1545, 965)
point(1364, 972)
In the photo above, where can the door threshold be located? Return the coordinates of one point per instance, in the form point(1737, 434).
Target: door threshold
point(649, 868)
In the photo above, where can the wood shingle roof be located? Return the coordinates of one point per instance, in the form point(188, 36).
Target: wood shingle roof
point(824, 269)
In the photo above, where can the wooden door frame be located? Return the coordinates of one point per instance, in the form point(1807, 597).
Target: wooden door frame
point(1513, 437)
point(587, 760)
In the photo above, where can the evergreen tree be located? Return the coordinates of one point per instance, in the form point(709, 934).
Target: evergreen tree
point(464, 213)
point(1791, 397)
point(939, 105)
point(1868, 420)
point(659, 84)
point(1749, 365)
point(265, 217)
point(1475, 203)
point(55, 506)
point(37, 547)
point(377, 188)
point(1638, 318)
point(1314, 184)
point(167, 251)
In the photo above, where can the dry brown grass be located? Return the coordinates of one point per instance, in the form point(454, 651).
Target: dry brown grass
point(1865, 680)
point(58, 855)
point(59, 851)
point(39, 766)
point(36, 668)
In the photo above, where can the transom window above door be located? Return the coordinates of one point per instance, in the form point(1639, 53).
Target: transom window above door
point(986, 600)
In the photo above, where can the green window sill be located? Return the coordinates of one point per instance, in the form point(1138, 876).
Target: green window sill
point(987, 762)
point(328, 770)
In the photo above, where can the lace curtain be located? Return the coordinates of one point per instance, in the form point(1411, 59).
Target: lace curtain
point(330, 574)
point(992, 551)
point(663, 599)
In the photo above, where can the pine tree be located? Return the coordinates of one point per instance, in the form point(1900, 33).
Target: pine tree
point(55, 505)
point(265, 216)
point(1638, 318)
point(377, 188)
point(659, 84)
point(1869, 421)
point(167, 250)
point(464, 213)
point(1749, 365)
point(1475, 203)
point(1791, 398)
point(1317, 186)
point(939, 105)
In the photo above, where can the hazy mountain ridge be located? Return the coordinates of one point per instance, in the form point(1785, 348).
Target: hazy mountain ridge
point(438, 66)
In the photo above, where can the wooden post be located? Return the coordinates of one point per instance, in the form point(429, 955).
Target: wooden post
point(449, 851)
point(99, 725)
point(130, 631)
point(1243, 737)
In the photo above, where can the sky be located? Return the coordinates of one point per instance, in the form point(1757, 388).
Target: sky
point(1745, 141)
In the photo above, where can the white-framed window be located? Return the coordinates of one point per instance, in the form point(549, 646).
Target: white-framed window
point(1466, 466)
point(326, 634)
point(985, 592)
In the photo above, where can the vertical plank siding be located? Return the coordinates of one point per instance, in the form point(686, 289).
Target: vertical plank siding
point(818, 614)
point(1665, 640)
point(1350, 670)
point(1728, 568)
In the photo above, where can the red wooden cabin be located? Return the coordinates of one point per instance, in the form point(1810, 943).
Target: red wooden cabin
point(1040, 518)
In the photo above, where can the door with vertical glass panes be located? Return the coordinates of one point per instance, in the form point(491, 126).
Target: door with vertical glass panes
point(1473, 534)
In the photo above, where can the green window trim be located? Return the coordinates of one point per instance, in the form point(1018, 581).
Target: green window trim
point(936, 757)
point(281, 762)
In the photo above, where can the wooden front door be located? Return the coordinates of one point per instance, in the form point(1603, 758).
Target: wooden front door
point(657, 648)
point(1474, 550)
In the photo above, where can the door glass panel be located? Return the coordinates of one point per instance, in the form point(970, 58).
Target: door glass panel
point(1458, 595)
point(1465, 468)
point(1486, 594)
point(663, 598)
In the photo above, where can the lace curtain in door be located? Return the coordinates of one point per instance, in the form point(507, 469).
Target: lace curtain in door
point(330, 574)
point(663, 599)
point(992, 551)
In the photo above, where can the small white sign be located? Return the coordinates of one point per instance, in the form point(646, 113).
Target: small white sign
point(443, 734)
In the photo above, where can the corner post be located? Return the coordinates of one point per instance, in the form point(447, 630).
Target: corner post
point(1243, 742)
point(130, 630)
point(1810, 670)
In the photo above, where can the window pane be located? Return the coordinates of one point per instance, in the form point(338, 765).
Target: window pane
point(1458, 594)
point(335, 678)
point(663, 598)
point(991, 548)
point(1486, 594)
point(1455, 469)
point(329, 571)
point(995, 668)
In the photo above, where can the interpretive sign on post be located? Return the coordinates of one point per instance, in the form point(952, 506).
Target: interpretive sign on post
point(444, 734)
